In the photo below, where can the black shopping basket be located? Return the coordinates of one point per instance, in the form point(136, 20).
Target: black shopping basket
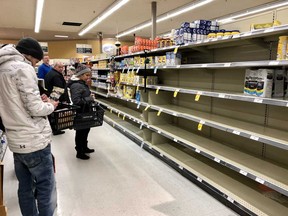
point(63, 118)
point(92, 118)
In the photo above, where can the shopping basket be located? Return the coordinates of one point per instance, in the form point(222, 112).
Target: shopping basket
point(92, 118)
point(63, 118)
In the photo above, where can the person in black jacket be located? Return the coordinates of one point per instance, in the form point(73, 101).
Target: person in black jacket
point(53, 79)
point(81, 96)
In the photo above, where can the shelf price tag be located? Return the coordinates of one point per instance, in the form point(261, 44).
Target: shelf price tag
point(258, 100)
point(197, 150)
point(221, 95)
point(236, 132)
point(199, 179)
point(176, 92)
point(123, 69)
point(138, 106)
point(269, 29)
point(142, 144)
point(159, 112)
point(147, 107)
point(155, 69)
point(243, 172)
point(137, 71)
point(157, 90)
point(230, 199)
point(118, 114)
point(236, 36)
point(197, 97)
point(137, 88)
point(111, 111)
point(128, 69)
point(287, 105)
point(176, 49)
point(180, 167)
point(273, 63)
point(261, 181)
point(204, 65)
point(178, 66)
point(217, 160)
point(123, 117)
point(200, 125)
point(159, 132)
point(254, 138)
point(141, 126)
point(227, 64)
point(175, 140)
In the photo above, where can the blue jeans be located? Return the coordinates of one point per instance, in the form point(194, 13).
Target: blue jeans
point(37, 188)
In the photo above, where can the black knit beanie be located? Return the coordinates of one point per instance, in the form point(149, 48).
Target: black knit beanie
point(30, 46)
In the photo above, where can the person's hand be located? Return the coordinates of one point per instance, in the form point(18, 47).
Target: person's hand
point(44, 98)
point(53, 102)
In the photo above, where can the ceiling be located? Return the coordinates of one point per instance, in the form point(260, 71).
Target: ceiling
point(17, 17)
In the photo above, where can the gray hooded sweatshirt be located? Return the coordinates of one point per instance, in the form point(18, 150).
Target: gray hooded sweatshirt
point(23, 113)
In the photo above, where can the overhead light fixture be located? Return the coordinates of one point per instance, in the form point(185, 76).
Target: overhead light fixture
point(110, 10)
point(61, 36)
point(252, 11)
point(166, 16)
point(38, 17)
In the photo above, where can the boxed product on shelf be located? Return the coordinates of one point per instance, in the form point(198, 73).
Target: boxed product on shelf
point(150, 80)
point(129, 92)
point(282, 49)
point(259, 82)
point(279, 80)
point(173, 59)
point(265, 83)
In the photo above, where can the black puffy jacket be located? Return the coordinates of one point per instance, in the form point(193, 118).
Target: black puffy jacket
point(80, 94)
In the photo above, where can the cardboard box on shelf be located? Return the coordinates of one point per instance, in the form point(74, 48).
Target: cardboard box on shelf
point(279, 80)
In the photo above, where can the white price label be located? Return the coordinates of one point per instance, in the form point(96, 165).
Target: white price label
point(175, 140)
point(174, 114)
point(215, 39)
point(287, 105)
point(197, 150)
point(204, 65)
point(141, 126)
point(137, 70)
point(178, 66)
point(199, 93)
point(150, 147)
point(221, 95)
point(198, 42)
point(269, 30)
point(180, 167)
point(230, 199)
point(138, 106)
point(148, 126)
point(165, 66)
point(274, 63)
point(155, 69)
point(236, 132)
point(254, 138)
point(199, 179)
point(236, 36)
point(217, 160)
point(227, 64)
point(247, 34)
point(123, 70)
point(258, 100)
point(142, 144)
point(202, 122)
point(261, 181)
point(159, 132)
point(161, 155)
point(243, 172)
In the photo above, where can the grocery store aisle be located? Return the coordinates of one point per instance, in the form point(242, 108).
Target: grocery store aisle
point(120, 179)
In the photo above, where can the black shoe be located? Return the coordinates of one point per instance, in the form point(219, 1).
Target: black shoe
point(58, 132)
point(89, 150)
point(82, 156)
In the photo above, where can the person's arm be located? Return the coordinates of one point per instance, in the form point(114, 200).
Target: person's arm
point(29, 92)
point(41, 72)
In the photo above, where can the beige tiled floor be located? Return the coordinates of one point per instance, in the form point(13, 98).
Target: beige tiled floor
point(120, 179)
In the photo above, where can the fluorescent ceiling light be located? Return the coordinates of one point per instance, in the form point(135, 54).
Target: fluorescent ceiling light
point(61, 36)
point(39, 10)
point(255, 10)
point(115, 6)
point(166, 16)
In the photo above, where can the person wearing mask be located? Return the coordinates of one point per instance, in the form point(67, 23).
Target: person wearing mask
point(53, 79)
point(44, 68)
point(81, 96)
point(24, 115)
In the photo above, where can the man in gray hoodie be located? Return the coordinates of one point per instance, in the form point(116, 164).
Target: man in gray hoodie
point(24, 115)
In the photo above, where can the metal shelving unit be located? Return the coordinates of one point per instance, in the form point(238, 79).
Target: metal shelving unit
point(197, 170)
point(223, 166)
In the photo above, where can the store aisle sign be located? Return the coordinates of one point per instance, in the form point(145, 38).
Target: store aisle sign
point(44, 46)
point(84, 48)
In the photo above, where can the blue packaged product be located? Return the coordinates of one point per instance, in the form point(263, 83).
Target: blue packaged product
point(185, 25)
